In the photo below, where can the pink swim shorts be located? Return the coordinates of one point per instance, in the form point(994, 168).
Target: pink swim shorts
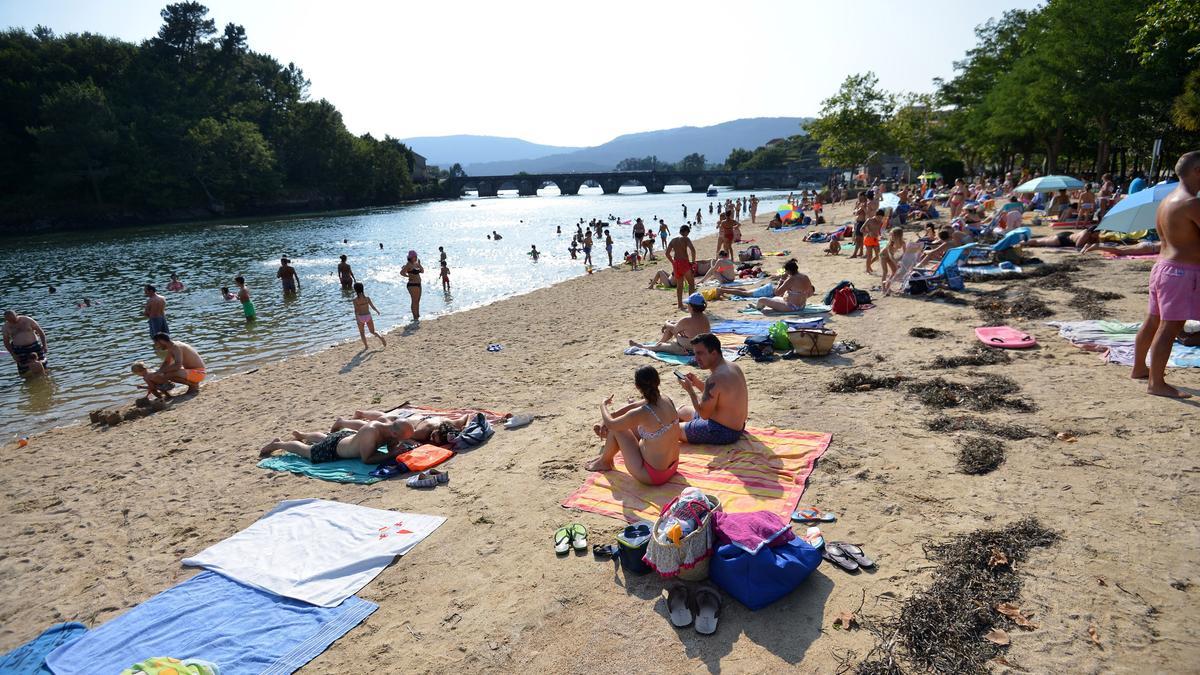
point(1175, 291)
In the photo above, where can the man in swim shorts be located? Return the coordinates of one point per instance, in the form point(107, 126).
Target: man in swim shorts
point(1174, 281)
point(287, 275)
point(677, 335)
point(717, 416)
point(26, 342)
point(682, 254)
point(319, 447)
point(181, 364)
point(155, 311)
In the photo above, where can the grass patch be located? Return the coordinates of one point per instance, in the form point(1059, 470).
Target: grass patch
point(978, 455)
point(942, 628)
point(977, 355)
point(1013, 432)
point(990, 393)
point(926, 333)
point(852, 382)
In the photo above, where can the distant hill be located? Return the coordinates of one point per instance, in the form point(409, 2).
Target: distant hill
point(669, 145)
point(465, 149)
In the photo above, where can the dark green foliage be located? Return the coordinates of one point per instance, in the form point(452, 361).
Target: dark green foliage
point(192, 119)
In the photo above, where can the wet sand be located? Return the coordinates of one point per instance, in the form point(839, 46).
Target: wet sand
point(99, 519)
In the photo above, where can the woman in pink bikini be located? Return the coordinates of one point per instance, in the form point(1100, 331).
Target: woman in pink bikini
point(362, 315)
point(646, 433)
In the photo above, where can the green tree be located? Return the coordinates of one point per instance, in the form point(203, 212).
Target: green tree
point(1185, 111)
point(851, 129)
point(185, 30)
point(916, 130)
point(737, 157)
point(231, 161)
point(78, 137)
point(692, 162)
point(456, 171)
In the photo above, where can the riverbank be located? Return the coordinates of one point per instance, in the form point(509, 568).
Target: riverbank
point(99, 519)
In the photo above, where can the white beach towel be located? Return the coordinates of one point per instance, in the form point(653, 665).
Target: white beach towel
point(317, 551)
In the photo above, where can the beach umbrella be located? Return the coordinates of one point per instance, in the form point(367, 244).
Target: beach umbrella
point(1049, 184)
point(1137, 211)
point(930, 175)
point(788, 212)
point(890, 200)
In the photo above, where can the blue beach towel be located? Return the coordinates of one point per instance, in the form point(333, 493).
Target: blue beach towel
point(30, 658)
point(810, 308)
point(989, 270)
point(337, 471)
point(241, 629)
point(760, 327)
point(676, 359)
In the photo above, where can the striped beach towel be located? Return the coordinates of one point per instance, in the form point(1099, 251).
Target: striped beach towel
point(765, 471)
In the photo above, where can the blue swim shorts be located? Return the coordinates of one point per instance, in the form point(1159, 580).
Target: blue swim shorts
point(763, 291)
point(700, 431)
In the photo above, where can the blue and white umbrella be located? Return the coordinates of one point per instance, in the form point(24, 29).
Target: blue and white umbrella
point(1049, 184)
point(1136, 211)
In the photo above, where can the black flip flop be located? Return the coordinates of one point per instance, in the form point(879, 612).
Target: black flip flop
point(602, 551)
point(855, 551)
point(679, 606)
point(836, 555)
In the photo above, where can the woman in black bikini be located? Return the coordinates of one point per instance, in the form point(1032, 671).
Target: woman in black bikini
point(413, 270)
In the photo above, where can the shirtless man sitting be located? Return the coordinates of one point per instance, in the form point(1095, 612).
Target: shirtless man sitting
point(434, 429)
point(319, 447)
point(791, 293)
point(717, 416)
point(26, 342)
point(182, 364)
point(1174, 281)
point(677, 335)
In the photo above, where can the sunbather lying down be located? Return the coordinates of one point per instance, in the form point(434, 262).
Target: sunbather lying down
point(361, 443)
point(1080, 240)
point(434, 429)
point(1140, 248)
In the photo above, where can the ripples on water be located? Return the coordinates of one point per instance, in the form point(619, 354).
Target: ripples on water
point(91, 348)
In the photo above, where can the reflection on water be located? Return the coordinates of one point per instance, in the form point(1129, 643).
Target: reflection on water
point(90, 348)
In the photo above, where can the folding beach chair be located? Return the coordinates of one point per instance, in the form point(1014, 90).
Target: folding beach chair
point(1013, 237)
point(947, 272)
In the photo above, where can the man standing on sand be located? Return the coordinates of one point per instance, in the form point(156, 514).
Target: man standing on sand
point(345, 274)
point(682, 254)
point(182, 364)
point(753, 209)
point(319, 447)
point(287, 275)
point(718, 415)
point(1175, 279)
point(26, 342)
point(155, 311)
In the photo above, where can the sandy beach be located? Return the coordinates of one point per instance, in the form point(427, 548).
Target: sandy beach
point(100, 518)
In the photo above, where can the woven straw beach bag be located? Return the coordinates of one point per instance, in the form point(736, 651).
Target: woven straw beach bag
point(812, 341)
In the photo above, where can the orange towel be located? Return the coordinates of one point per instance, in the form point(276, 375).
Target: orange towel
point(765, 471)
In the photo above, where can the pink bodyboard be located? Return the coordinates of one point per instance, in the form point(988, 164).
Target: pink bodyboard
point(1004, 337)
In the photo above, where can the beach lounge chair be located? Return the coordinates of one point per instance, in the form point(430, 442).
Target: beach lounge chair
point(1010, 240)
point(947, 272)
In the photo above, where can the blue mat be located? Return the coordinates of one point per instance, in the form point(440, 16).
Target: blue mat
point(30, 658)
point(241, 629)
point(337, 471)
point(808, 309)
point(676, 359)
point(760, 327)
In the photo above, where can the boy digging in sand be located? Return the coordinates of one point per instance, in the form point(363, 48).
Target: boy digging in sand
point(362, 315)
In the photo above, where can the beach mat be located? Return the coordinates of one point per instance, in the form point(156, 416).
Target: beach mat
point(30, 658)
point(677, 359)
point(736, 327)
point(988, 270)
point(1114, 339)
point(764, 471)
point(811, 308)
point(242, 629)
point(353, 470)
point(316, 551)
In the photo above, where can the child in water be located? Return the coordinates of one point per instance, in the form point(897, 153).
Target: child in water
point(362, 312)
point(225, 294)
point(445, 276)
point(243, 296)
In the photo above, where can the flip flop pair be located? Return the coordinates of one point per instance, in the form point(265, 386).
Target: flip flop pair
point(570, 536)
point(428, 479)
point(849, 557)
point(707, 603)
point(813, 515)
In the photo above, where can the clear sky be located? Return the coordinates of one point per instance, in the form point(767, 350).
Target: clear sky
point(568, 73)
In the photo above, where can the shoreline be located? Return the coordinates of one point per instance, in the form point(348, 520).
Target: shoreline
point(108, 530)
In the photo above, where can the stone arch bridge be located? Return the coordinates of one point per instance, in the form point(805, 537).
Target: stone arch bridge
point(527, 184)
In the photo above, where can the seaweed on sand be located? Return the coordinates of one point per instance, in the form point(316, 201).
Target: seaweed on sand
point(851, 382)
point(990, 393)
point(977, 455)
point(942, 628)
point(927, 333)
point(1059, 270)
point(977, 355)
point(1090, 302)
point(997, 307)
point(947, 298)
point(1014, 432)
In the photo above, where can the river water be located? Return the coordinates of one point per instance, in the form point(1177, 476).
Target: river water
point(90, 348)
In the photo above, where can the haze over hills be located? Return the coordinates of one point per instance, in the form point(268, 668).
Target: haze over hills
point(467, 149)
point(669, 145)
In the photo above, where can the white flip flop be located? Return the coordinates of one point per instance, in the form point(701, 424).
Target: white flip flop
point(518, 421)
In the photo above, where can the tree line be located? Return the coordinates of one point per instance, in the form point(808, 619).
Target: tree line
point(191, 121)
point(1075, 86)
